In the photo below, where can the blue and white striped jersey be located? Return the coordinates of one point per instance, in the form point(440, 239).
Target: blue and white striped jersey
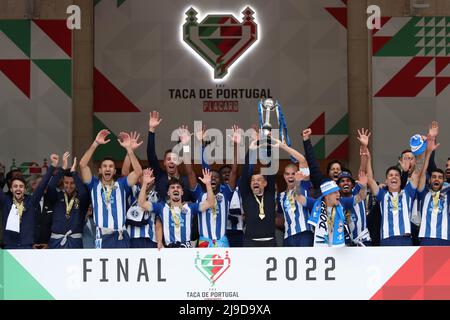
point(396, 220)
point(109, 205)
point(176, 222)
point(212, 222)
point(435, 214)
point(295, 215)
point(146, 230)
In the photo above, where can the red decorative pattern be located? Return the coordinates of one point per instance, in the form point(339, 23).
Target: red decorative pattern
point(107, 98)
point(18, 71)
point(426, 275)
point(57, 31)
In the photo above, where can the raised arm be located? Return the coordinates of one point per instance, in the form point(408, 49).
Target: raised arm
point(40, 189)
point(52, 194)
point(362, 182)
point(431, 147)
point(153, 123)
point(244, 183)
point(316, 175)
point(81, 188)
point(148, 179)
point(210, 199)
point(130, 142)
point(185, 139)
point(236, 138)
point(363, 138)
point(86, 174)
point(294, 153)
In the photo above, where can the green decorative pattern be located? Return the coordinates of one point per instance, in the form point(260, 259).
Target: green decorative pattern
point(60, 71)
point(18, 283)
point(19, 32)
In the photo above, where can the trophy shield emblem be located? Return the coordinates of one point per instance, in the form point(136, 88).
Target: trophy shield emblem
point(220, 39)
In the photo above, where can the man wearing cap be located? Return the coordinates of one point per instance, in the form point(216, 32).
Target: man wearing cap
point(433, 205)
point(328, 212)
point(356, 215)
point(395, 202)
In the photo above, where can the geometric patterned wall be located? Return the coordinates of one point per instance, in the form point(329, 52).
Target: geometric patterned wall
point(301, 56)
point(36, 91)
point(411, 78)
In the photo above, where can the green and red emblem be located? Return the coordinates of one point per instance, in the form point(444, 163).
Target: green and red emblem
point(220, 39)
point(212, 266)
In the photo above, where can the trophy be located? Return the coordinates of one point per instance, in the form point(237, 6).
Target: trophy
point(269, 105)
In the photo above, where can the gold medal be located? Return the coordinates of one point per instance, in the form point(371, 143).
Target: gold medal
point(20, 208)
point(69, 205)
point(262, 214)
point(176, 217)
point(394, 201)
point(436, 203)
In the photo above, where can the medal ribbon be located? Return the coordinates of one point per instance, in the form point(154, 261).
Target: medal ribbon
point(262, 215)
point(20, 208)
point(69, 205)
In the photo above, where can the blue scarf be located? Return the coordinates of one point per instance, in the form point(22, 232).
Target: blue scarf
point(319, 219)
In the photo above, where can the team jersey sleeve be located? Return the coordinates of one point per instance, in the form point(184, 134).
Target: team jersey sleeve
point(123, 182)
point(348, 202)
point(421, 194)
point(227, 192)
point(310, 203)
point(410, 190)
point(195, 207)
point(279, 205)
point(197, 193)
point(380, 195)
point(92, 183)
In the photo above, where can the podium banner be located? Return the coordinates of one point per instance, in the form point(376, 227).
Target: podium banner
point(233, 273)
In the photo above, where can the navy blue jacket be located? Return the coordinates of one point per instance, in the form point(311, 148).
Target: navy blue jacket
point(161, 177)
point(27, 224)
point(61, 224)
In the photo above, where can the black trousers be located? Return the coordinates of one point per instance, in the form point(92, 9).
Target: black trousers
point(254, 243)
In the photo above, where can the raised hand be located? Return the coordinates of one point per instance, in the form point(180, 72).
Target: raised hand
point(124, 140)
point(363, 137)
point(148, 177)
point(434, 129)
point(74, 165)
point(65, 160)
point(154, 120)
point(184, 134)
point(236, 137)
point(101, 137)
point(306, 134)
point(206, 176)
point(431, 143)
point(134, 136)
point(362, 178)
point(405, 164)
point(200, 133)
point(54, 159)
point(299, 176)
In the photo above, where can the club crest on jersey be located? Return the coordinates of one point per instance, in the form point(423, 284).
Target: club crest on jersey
point(219, 197)
point(212, 266)
point(184, 210)
point(220, 39)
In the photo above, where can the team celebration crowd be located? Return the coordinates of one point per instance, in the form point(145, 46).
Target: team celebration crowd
point(236, 206)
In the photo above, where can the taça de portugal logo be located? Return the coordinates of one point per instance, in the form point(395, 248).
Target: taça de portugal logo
point(212, 266)
point(220, 39)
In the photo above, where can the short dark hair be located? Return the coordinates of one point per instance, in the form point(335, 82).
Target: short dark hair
point(393, 168)
point(406, 151)
point(67, 173)
point(19, 178)
point(438, 171)
point(330, 164)
point(107, 158)
point(173, 181)
point(167, 152)
point(10, 175)
point(225, 166)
